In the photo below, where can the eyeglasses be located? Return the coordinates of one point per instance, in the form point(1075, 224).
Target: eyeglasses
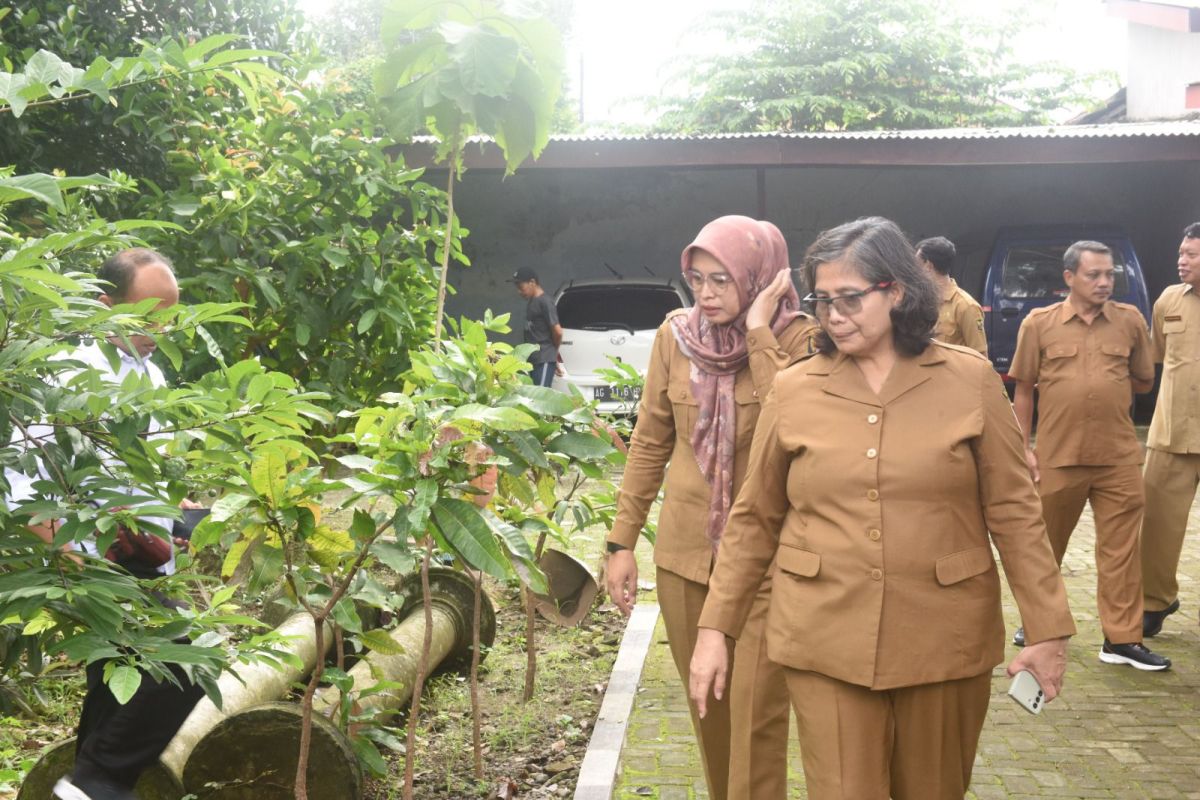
point(719, 281)
point(846, 304)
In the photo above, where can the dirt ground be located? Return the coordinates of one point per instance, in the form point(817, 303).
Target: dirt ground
point(531, 750)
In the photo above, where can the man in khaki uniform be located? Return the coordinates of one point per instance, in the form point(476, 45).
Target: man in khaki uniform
point(1087, 355)
point(960, 319)
point(1173, 461)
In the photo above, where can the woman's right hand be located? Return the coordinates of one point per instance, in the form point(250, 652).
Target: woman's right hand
point(1047, 660)
point(709, 668)
point(762, 310)
point(621, 576)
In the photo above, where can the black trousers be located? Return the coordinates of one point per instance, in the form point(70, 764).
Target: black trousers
point(117, 742)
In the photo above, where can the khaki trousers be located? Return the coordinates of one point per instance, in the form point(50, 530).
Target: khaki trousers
point(1171, 480)
point(1117, 499)
point(914, 743)
point(743, 738)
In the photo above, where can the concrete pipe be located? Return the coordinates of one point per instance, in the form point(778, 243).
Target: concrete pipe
point(253, 684)
point(156, 783)
point(452, 596)
point(252, 754)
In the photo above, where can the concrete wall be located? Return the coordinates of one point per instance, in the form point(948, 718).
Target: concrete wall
point(1161, 65)
point(569, 224)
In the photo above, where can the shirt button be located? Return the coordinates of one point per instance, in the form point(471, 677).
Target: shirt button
point(876, 574)
point(874, 533)
point(872, 453)
point(872, 494)
point(873, 418)
point(755, 393)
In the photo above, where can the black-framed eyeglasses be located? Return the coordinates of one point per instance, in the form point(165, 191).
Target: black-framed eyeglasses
point(846, 304)
point(719, 281)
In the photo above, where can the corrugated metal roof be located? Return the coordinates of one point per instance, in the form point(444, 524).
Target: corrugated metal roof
point(1186, 128)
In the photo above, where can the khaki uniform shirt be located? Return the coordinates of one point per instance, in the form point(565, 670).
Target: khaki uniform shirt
point(960, 320)
point(662, 440)
point(877, 509)
point(1083, 376)
point(1175, 337)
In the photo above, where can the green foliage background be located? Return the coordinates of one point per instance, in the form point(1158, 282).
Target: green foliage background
point(290, 203)
point(847, 65)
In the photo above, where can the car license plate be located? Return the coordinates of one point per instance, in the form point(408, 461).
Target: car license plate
point(629, 394)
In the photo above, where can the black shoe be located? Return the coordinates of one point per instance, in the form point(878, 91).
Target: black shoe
point(1135, 654)
point(1152, 621)
point(1019, 637)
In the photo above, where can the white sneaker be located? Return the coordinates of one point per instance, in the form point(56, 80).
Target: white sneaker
point(65, 790)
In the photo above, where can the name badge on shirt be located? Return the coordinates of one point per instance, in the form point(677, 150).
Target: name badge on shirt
point(1172, 318)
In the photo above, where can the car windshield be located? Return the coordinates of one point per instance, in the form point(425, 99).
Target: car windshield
point(598, 308)
point(1036, 271)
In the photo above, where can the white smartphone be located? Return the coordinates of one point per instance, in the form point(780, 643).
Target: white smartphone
point(1028, 693)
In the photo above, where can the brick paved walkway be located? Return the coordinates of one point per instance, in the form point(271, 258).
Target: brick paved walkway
point(1115, 733)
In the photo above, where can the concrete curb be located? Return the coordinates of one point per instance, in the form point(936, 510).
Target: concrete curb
point(598, 773)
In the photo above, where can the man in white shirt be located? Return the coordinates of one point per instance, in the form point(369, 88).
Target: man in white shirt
point(117, 742)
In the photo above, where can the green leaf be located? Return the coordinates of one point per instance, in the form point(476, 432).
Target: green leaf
point(395, 556)
point(486, 61)
point(363, 527)
point(368, 755)
point(465, 530)
point(367, 320)
point(229, 505)
point(123, 682)
point(336, 256)
point(235, 56)
point(37, 185)
point(268, 475)
point(545, 401)
point(510, 535)
point(379, 641)
point(501, 419)
point(328, 546)
point(529, 447)
point(581, 446)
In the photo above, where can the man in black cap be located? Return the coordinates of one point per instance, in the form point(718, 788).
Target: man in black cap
point(541, 326)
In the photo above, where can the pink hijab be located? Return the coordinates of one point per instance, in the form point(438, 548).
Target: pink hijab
point(753, 252)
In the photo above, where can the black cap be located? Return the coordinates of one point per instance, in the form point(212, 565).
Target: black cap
point(523, 274)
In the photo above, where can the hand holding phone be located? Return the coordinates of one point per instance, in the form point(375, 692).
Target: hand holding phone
point(1028, 693)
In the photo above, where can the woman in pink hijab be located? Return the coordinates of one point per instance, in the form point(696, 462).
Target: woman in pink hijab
point(710, 367)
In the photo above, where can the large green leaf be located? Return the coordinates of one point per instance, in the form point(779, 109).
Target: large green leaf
point(545, 401)
point(381, 642)
point(268, 474)
point(123, 682)
point(38, 186)
point(465, 530)
point(500, 419)
point(486, 61)
point(582, 446)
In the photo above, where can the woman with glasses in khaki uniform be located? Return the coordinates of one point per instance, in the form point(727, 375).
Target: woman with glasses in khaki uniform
point(708, 370)
point(883, 471)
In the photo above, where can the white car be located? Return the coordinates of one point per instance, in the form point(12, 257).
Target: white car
point(612, 317)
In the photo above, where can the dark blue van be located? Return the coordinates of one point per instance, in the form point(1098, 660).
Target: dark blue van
point(1025, 272)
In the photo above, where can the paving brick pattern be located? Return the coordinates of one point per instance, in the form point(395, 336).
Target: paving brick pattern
point(1116, 732)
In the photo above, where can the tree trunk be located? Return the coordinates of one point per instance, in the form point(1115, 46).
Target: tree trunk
point(414, 711)
point(306, 709)
point(531, 631)
point(476, 725)
point(441, 298)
